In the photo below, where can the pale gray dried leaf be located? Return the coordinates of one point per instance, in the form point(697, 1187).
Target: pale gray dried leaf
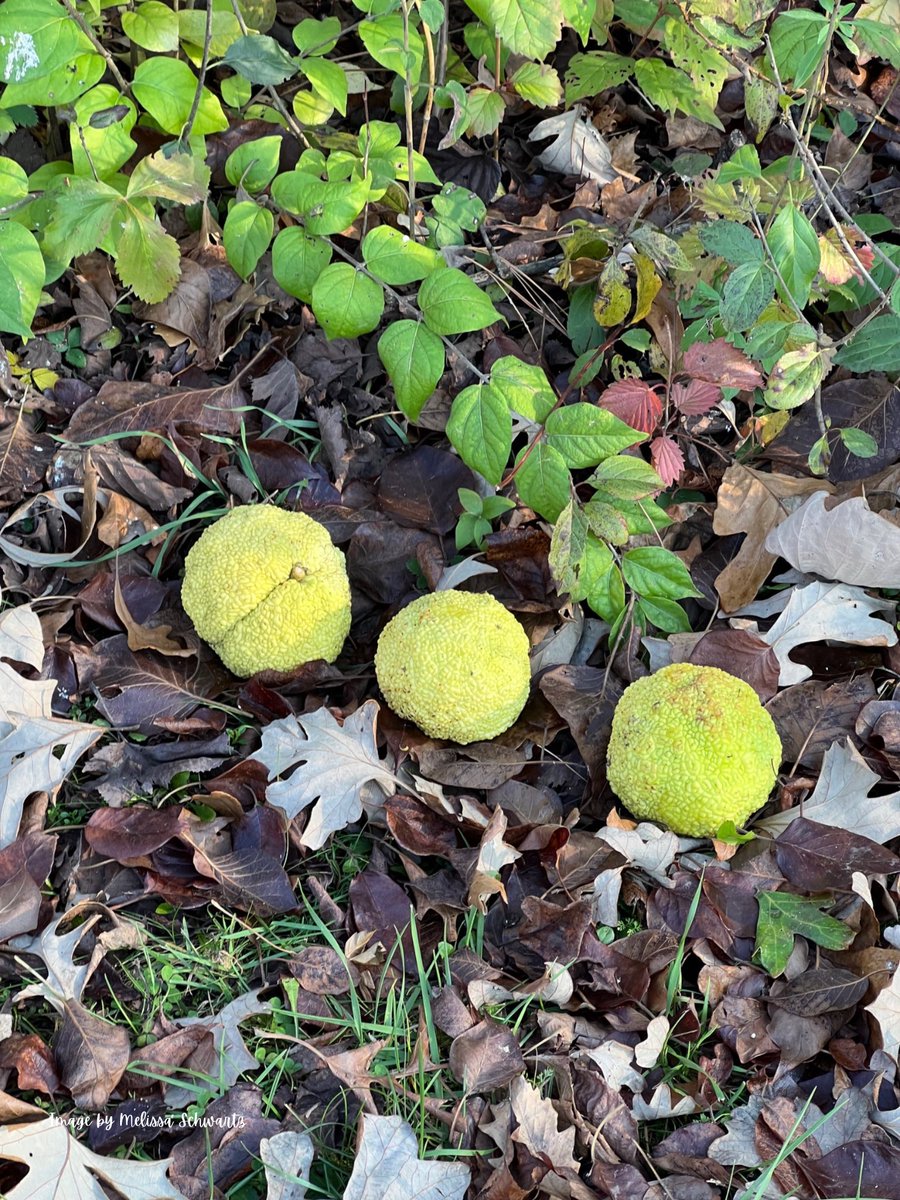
point(37, 750)
point(605, 900)
point(558, 648)
point(615, 1061)
point(647, 1052)
point(648, 847)
point(848, 543)
point(457, 573)
point(841, 798)
point(65, 979)
point(579, 148)
point(61, 1168)
point(232, 1058)
point(286, 1158)
point(738, 1146)
point(827, 612)
point(662, 1104)
point(538, 1129)
point(885, 1008)
point(339, 769)
point(387, 1166)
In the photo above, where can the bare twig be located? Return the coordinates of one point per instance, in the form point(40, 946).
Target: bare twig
point(85, 28)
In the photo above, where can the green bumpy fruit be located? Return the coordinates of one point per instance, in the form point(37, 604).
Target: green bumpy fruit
point(692, 748)
point(456, 664)
point(268, 590)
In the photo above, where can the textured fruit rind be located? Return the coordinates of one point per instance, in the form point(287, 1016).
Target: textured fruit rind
point(456, 664)
point(692, 747)
point(242, 592)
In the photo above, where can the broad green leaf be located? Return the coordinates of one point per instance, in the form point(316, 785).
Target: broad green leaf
point(246, 234)
point(61, 86)
point(311, 109)
point(798, 40)
point(784, 916)
point(329, 80)
point(13, 182)
point(537, 83)
point(524, 387)
point(37, 37)
point(527, 27)
point(253, 164)
point(588, 74)
point(580, 16)
point(225, 31)
point(742, 166)
point(665, 614)
point(236, 91)
point(624, 477)
point(83, 215)
point(585, 435)
point(879, 37)
point(601, 580)
point(665, 252)
point(653, 571)
point(111, 147)
point(394, 257)
point(707, 69)
point(147, 258)
point(259, 15)
point(21, 278)
point(260, 59)
point(383, 38)
point(484, 111)
point(875, 348)
point(181, 177)
point(543, 481)
point(326, 207)
point(152, 26)
point(414, 359)
point(747, 291)
point(673, 91)
point(731, 241)
point(796, 376)
point(480, 429)
point(451, 303)
point(795, 250)
point(606, 521)
point(166, 86)
point(567, 547)
point(316, 37)
point(858, 442)
point(346, 302)
point(298, 260)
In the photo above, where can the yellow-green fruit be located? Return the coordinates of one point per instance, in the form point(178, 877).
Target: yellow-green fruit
point(268, 590)
point(456, 664)
point(692, 747)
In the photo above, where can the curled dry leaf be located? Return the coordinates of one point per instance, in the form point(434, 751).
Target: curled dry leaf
point(578, 149)
point(847, 543)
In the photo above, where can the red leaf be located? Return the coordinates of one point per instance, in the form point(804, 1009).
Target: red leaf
point(633, 402)
point(695, 397)
point(720, 362)
point(667, 459)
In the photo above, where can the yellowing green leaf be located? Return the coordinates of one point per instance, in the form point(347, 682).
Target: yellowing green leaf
point(346, 302)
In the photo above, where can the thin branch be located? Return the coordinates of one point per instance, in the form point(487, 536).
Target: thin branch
point(85, 28)
point(201, 78)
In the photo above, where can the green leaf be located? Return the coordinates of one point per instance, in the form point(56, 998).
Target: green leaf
point(580, 16)
point(624, 477)
point(796, 376)
point(879, 38)
point(527, 27)
point(21, 278)
point(111, 147)
point(585, 435)
point(524, 387)
point(606, 521)
point(484, 111)
point(311, 109)
point(260, 59)
point(567, 547)
point(82, 217)
point(672, 90)
point(152, 26)
point(246, 234)
point(537, 83)
point(451, 303)
point(761, 101)
point(346, 302)
point(298, 260)
point(225, 31)
point(253, 164)
point(166, 86)
point(394, 257)
point(858, 442)
point(13, 182)
point(329, 80)
point(179, 177)
point(665, 252)
point(784, 916)
point(731, 241)
point(664, 614)
point(588, 74)
point(147, 258)
point(414, 359)
point(601, 580)
point(706, 68)
point(383, 38)
point(480, 429)
point(316, 37)
point(36, 37)
point(653, 571)
point(326, 207)
point(747, 291)
point(798, 40)
point(61, 86)
point(875, 348)
point(795, 250)
point(543, 481)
